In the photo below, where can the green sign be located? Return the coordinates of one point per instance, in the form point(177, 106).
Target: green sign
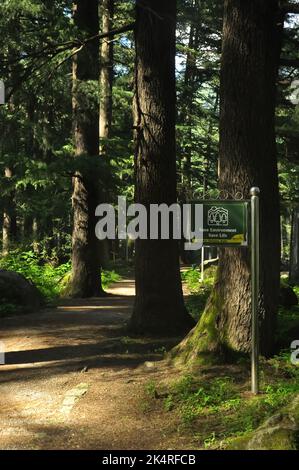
point(225, 223)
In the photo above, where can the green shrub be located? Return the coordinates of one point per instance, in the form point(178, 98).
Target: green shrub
point(45, 276)
point(50, 280)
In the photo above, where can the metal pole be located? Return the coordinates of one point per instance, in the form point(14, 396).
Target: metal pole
point(254, 192)
point(202, 270)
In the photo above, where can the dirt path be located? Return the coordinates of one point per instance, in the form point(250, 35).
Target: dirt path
point(73, 380)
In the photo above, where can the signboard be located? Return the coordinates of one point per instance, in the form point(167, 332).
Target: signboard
point(225, 223)
point(2, 92)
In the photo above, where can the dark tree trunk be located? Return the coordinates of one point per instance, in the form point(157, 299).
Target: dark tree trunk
point(251, 46)
point(294, 252)
point(186, 116)
point(86, 275)
point(159, 305)
point(106, 84)
point(106, 74)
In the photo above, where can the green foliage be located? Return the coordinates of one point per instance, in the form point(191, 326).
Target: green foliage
point(216, 409)
point(192, 277)
point(150, 389)
point(199, 291)
point(192, 397)
point(8, 309)
point(109, 277)
point(46, 277)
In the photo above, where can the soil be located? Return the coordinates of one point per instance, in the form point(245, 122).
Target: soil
point(72, 379)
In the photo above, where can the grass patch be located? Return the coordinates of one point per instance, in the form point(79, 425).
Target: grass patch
point(215, 409)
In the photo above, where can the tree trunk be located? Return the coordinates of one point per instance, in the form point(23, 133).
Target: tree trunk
point(251, 46)
point(86, 273)
point(106, 83)
point(106, 75)
point(35, 235)
point(9, 226)
point(159, 305)
point(187, 108)
point(294, 252)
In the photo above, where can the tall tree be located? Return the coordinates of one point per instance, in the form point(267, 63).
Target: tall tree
point(187, 107)
point(86, 279)
point(250, 54)
point(106, 73)
point(159, 305)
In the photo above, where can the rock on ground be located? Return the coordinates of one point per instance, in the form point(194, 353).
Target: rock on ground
point(279, 432)
point(15, 289)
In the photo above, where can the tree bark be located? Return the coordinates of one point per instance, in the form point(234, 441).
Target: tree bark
point(294, 252)
point(9, 226)
point(250, 55)
point(106, 84)
point(86, 272)
point(106, 75)
point(159, 305)
point(187, 108)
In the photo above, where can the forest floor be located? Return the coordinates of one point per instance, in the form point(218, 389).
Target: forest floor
point(73, 380)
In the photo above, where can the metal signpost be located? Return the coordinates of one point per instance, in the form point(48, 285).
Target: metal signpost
point(255, 274)
point(226, 224)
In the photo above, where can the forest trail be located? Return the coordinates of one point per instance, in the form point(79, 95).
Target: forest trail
point(72, 379)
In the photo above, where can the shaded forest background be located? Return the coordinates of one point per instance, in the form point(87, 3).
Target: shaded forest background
point(159, 101)
point(71, 74)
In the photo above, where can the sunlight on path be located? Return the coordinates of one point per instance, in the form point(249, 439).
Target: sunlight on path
point(124, 287)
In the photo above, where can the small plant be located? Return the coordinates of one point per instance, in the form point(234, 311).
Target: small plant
point(151, 389)
point(209, 441)
point(192, 398)
point(160, 350)
point(109, 277)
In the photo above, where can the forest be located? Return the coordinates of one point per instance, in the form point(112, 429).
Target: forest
point(144, 342)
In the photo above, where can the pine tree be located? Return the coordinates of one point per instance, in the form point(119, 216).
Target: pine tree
point(250, 56)
point(159, 305)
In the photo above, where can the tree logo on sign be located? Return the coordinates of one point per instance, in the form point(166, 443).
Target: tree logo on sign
point(217, 216)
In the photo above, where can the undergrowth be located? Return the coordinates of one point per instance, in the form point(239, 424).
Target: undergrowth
point(47, 277)
point(199, 290)
point(217, 409)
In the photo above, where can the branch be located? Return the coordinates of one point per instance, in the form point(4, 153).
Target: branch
point(109, 34)
point(54, 49)
point(62, 48)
